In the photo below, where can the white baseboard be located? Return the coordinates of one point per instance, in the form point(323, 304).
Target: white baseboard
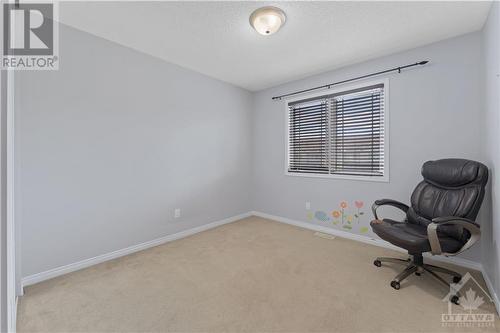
point(368, 240)
point(327, 230)
point(39, 277)
point(381, 243)
point(14, 323)
point(12, 314)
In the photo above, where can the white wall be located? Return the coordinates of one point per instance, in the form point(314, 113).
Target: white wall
point(491, 93)
point(434, 113)
point(111, 143)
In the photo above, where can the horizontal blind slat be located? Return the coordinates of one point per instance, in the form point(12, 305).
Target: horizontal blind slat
point(338, 134)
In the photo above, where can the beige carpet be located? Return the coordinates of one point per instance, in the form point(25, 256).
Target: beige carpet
point(252, 275)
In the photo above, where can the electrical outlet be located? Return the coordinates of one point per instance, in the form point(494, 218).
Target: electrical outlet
point(177, 213)
point(308, 205)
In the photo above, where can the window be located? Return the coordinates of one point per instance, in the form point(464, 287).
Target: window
point(341, 134)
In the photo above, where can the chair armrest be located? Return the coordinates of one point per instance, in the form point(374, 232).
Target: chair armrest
point(388, 202)
point(467, 224)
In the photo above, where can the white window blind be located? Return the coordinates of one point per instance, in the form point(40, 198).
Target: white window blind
point(341, 133)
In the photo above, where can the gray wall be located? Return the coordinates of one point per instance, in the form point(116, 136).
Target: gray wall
point(491, 61)
point(110, 144)
point(3, 210)
point(434, 113)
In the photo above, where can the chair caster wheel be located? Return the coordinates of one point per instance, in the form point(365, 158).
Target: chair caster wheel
point(395, 285)
point(377, 263)
point(455, 300)
point(457, 279)
point(418, 274)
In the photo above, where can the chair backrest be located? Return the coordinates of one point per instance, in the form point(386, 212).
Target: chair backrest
point(451, 187)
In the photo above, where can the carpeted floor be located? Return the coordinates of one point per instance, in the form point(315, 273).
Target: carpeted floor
point(253, 275)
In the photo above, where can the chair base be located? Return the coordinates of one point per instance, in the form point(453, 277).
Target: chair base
point(416, 265)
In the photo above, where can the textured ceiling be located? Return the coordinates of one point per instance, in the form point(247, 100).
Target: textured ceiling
point(215, 38)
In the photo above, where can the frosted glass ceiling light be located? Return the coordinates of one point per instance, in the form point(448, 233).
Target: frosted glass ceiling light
point(267, 20)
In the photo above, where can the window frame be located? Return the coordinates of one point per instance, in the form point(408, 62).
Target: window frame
point(340, 89)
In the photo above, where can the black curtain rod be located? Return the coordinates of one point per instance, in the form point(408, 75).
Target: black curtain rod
point(353, 79)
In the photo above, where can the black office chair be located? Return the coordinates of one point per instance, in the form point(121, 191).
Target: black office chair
point(440, 220)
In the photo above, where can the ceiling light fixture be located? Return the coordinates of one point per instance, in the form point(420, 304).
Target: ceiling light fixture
point(267, 20)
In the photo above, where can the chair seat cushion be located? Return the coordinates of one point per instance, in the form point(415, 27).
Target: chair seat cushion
point(412, 237)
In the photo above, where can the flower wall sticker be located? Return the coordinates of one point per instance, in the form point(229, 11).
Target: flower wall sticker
point(349, 219)
point(343, 205)
point(336, 214)
point(359, 205)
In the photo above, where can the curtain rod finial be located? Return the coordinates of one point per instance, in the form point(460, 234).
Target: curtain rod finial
point(423, 62)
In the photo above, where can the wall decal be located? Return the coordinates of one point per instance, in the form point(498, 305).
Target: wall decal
point(322, 216)
point(348, 217)
point(336, 215)
point(343, 205)
point(359, 205)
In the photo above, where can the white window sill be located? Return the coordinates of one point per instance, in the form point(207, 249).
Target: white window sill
point(382, 179)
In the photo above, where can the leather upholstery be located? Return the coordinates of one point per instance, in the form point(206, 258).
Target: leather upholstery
point(412, 237)
point(451, 187)
point(455, 172)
